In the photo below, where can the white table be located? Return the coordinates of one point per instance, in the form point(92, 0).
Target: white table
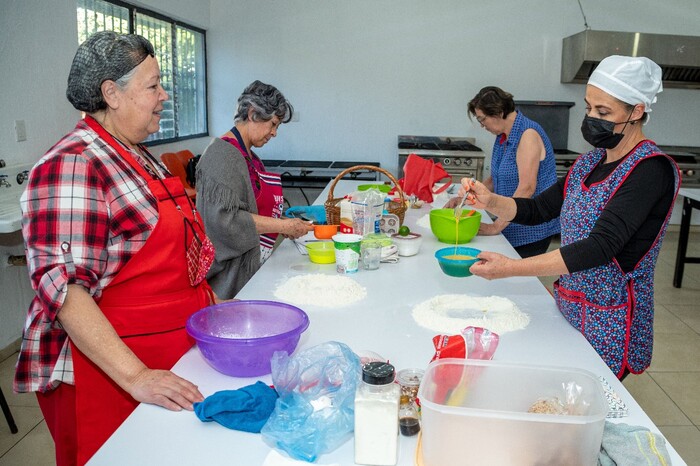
point(381, 323)
point(691, 200)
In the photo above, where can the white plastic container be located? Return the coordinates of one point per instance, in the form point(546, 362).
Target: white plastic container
point(476, 412)
point(408, 245)
point(347, 252)
point(377, 416)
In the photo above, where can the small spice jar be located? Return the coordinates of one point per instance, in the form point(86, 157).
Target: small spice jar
point(409, 380)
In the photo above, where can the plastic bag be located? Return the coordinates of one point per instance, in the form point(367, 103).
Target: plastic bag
point(315, 411)
point(570, 401)
point(471, 343)
point(367, 208)
point(420, 175)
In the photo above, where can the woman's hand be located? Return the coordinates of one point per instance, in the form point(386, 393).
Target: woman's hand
point(164, 388)
point(478, 195)
point(493, 265)
point(293, 228)
point(218, 300)
point(489, 229)
point(452, 203)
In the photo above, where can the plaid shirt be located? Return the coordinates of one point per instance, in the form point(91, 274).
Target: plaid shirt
point(85, 213)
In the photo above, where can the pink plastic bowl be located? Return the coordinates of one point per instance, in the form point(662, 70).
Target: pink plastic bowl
point(238, 338)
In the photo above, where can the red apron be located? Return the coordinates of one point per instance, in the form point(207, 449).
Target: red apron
point(269, 203)
point(269, 199)
point(147, 303)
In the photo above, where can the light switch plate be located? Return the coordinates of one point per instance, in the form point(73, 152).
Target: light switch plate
point(20, 131)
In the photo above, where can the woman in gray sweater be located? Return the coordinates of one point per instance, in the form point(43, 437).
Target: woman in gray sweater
point(239, 201)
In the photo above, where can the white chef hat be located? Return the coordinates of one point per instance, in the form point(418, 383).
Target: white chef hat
point(634, 80)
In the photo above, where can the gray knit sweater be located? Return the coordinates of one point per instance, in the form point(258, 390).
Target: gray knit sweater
point(225, 200)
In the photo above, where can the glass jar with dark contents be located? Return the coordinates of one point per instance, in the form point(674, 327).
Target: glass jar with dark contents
point(409, 422)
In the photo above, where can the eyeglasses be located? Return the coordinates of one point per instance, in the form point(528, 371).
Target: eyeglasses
point(481, 119)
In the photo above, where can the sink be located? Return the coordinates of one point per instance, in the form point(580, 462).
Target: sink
point(10, 192)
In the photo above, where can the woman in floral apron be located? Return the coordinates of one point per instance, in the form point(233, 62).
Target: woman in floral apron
point(615, 204)
point(240, 202)
point(117, 255)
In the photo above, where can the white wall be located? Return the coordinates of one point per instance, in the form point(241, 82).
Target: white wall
point(359, 73)
point(38, 39)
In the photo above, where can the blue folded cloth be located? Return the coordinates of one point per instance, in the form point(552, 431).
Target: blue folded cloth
point(245, 409)
point(626, 445)
point(315, 213)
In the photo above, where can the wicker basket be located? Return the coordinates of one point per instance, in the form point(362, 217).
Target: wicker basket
point(333, 204)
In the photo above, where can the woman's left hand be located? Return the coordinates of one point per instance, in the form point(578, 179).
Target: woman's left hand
point(493, 265)
point(489, 229)
point(164, 388)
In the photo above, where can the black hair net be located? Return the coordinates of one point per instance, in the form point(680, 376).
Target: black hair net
point(103, 56)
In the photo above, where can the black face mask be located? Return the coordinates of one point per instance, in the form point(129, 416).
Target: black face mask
point(600, 133)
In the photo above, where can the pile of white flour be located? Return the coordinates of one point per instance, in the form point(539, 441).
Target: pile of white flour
point(449, 314)
point(321, 290)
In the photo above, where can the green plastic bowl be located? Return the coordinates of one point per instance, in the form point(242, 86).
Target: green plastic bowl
point(321, 252)
point(456, 267)
point(385, 188)
point(442, 224)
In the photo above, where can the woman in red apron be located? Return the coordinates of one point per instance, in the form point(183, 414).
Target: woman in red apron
point(240, 202)
point(117, 255)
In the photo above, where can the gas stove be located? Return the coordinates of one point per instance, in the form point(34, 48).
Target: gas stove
point(458, 155)
point(688, 160)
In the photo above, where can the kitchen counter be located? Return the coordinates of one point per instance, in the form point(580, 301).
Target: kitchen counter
point(382, 323)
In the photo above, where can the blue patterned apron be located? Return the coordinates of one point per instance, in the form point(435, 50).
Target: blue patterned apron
point(614, 310)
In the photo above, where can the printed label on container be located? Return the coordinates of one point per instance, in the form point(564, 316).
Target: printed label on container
point(347, 252)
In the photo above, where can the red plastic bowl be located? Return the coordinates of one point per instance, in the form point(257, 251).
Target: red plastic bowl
point(238, 338)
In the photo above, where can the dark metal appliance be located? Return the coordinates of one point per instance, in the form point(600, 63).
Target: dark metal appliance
point(688, 160)
point(315, 174)
point(458, 155)
point(554, 119)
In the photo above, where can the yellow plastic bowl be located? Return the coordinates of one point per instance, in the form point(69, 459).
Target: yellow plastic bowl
point(322, 252)
point(442, 224)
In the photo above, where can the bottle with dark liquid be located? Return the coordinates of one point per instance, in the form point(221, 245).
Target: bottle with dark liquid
point(409, 422)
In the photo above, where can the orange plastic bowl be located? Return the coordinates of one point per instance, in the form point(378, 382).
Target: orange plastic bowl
point(325, 231)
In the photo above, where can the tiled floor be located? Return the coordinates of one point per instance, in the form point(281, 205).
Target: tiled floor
point(669, 391)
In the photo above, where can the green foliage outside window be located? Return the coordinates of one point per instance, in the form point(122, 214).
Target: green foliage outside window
point(180, 51)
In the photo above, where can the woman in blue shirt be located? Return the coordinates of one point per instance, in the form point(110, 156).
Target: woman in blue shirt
point(522, 165)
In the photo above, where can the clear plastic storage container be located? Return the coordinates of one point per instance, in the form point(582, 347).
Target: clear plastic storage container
point(476, 412)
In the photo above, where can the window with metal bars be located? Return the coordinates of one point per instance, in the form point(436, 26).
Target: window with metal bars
point(180, 51)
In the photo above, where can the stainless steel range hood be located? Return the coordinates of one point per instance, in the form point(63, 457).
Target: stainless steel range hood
point(678, 56)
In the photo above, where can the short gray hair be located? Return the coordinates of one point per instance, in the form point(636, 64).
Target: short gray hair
point(104, 56)
point(266, 102)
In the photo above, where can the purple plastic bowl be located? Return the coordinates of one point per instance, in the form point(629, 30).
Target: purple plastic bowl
point(238, 338)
